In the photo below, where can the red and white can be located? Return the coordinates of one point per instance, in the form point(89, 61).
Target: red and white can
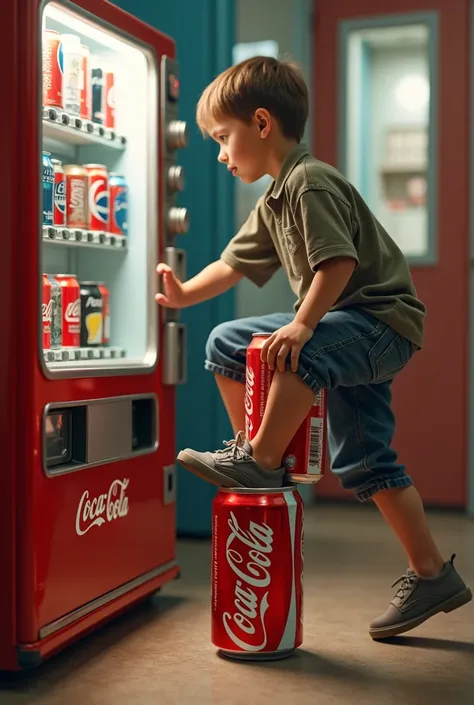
point(47, 311)
point(76, 196)
point(105, 313)
point(53, 68)
point(86, 83)
point(257, 572)
point(71, 310)
point(109, 99)
point(98, 196)
point(304, 459)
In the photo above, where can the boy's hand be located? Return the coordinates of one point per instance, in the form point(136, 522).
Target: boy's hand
point(289, 339)
point(174, 296)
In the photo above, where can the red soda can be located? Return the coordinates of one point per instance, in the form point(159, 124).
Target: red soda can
point(47, 310)
point(105, 312)
point(257, 572)
point(53, 69)
point(59, 206)
point(86, 84)
point(76, 196)
point(304, 459)
point(71, 310)
point(109, 99)
point(98, 200)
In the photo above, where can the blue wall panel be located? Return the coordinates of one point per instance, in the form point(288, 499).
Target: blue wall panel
point(204, 33)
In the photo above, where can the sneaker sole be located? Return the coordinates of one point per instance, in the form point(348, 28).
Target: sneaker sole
point(462, 598)
point(205, 472)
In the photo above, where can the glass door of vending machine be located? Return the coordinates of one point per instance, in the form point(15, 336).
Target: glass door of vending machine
point(100, 198)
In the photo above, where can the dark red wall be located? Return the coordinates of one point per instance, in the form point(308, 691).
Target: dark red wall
point(431, 395)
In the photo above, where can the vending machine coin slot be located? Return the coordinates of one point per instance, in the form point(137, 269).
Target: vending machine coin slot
point(169, 484)
point(97, 431)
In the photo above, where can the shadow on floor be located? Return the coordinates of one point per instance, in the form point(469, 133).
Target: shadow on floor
point(78, 654)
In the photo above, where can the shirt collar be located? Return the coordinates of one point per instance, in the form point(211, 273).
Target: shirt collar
point(276, 187)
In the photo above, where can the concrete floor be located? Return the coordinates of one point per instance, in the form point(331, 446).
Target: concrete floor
point(160, 653)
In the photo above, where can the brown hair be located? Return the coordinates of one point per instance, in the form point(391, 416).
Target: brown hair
point(259, 82)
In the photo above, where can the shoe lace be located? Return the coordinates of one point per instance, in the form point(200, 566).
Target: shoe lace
point(233, 448)
point(406, 583)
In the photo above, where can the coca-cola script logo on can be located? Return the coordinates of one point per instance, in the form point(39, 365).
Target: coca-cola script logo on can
point(107, 507)
point(256, 572)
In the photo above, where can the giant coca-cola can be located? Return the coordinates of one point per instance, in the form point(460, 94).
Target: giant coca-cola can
point(305, 457)
point(257, 572)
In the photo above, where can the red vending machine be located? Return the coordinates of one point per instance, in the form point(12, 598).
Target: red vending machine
point(88, 364)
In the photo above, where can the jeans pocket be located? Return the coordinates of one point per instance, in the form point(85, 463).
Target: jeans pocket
point(389, 355)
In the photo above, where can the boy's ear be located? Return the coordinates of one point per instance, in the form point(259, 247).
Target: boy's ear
point(262, 118)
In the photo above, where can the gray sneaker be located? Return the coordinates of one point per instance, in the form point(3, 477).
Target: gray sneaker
point(418, 599)
point(233, 466)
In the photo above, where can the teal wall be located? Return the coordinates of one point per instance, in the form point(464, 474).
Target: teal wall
point(204, 35)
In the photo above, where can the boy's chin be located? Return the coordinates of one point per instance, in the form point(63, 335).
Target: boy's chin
point(246, 179)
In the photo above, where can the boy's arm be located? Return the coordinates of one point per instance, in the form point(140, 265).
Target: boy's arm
point(328, 284)
point(326, 222)
point(213, 280)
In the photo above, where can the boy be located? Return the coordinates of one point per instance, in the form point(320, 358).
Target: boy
point(357, 323)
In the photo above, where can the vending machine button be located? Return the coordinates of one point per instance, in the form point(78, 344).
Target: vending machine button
point(177, 134)
point(176, 178)
point(173, 87)
point(178, 221)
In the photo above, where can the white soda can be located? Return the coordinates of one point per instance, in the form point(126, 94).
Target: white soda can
point(72, 73)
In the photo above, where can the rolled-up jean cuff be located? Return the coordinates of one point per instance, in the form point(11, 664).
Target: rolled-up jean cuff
point(224, 371)
point(367, 491)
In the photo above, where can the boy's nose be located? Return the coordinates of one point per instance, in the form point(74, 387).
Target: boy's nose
point(222, 157)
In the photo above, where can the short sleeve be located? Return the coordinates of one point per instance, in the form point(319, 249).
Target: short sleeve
point(325, 222)
point(251, 251)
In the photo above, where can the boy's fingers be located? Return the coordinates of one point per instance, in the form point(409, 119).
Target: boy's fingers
point(163, 268)
point(161, 299)
point(295, 354)
point(281, 357)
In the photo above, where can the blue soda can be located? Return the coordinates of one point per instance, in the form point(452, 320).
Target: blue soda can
point(118, 189)
point(48, 189)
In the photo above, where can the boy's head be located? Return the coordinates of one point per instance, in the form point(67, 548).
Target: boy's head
point(252, 110)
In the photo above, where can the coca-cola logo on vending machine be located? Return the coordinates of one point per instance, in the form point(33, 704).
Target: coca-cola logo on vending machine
point(107, 507)
point(248, 555)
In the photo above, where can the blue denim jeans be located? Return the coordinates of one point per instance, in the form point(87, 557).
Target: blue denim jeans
point(355, 357)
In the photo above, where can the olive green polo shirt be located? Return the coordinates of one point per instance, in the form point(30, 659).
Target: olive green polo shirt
point(311, 214)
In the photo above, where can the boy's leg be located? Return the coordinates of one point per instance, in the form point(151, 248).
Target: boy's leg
point(226, 351)
point(233, 396)
point(361, 426)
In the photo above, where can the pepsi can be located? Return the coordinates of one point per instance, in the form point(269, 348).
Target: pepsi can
point(118, 204)
point(59, 217)
point(48, 189)
point(98, 189)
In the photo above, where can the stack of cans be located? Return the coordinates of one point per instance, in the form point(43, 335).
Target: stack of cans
point(76, 83)
point(257, 538)
point(74, 314)
point(84, 197)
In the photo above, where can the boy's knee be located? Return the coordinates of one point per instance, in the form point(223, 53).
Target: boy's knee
point(219, 340)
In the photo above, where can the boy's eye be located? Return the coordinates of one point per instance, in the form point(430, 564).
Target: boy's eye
point(222, 138)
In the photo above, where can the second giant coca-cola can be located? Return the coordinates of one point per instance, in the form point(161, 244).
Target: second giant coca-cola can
point(71, 310)
point(304, 459)
point(257, 572)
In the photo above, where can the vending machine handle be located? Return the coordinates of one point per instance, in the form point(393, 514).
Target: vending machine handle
point(175, 349)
